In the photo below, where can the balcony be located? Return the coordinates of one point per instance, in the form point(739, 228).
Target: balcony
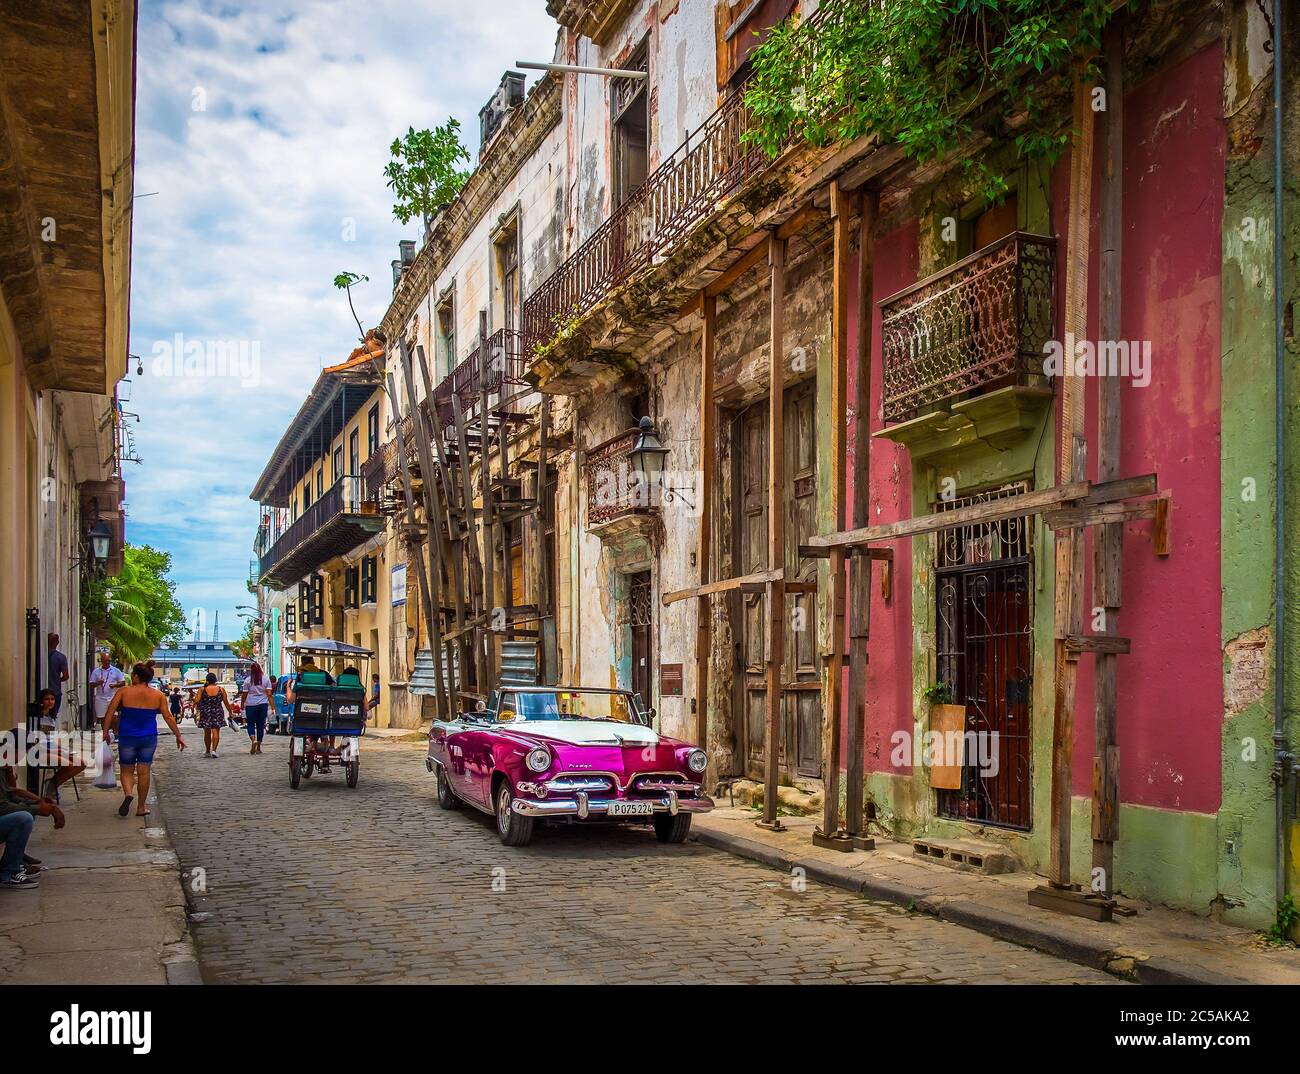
point(975, 328)
point(620, 507)
point(505, 379)
point(505, 371)
point(336, 523)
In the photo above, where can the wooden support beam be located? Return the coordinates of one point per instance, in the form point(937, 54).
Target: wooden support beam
point(542, 583)
point(704, 554)
point(753, 256)
point(1108, 539)
point(1163, 535)
point(404, 468)
point(746, 583)
point(1099, 644)
point(455, 550)
point(862, 562)
point(832, 833)
point(1068, 518)
point(434, 518)
point(775, 529)
point(1072, 455)
point(471, 544)
point(1026, 503)
point(858, 551)
point(489, 514)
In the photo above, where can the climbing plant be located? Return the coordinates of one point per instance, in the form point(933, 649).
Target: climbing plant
point(913, 74)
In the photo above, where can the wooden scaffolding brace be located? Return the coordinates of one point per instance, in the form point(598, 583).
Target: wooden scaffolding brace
point(467, 547)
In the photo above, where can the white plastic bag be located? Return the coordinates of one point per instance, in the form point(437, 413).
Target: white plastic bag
point(106, 778)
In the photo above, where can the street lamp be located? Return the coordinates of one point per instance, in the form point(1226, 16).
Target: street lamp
point(100, 538)
point(648, 453)
point(647, 457)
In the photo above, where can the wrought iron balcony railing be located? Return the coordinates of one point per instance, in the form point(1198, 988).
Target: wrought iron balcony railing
point(338, 521)
point(614, 488)
point(978, 325)
point(506, 366)
point(711, 163)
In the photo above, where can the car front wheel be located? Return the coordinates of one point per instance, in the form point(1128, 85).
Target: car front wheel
point(672, 829)
point(514, 830)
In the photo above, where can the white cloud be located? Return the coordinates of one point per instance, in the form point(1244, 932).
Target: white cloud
point(245, 233)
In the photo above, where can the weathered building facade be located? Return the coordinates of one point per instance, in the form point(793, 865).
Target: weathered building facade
point(321, 568)
point(875, 486)
point(66, 181)
point(912, 321)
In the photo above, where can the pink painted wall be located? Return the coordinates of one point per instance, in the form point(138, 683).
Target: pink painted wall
point(889, 670)
point(1171, 686)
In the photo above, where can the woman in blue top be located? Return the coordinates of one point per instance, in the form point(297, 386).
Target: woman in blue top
point(134, 713)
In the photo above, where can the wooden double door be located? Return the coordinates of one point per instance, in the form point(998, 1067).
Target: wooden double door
point(801, 700)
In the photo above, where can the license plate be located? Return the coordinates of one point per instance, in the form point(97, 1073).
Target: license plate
point(630, 809)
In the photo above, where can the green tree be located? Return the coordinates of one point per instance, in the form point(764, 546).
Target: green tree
point(345, 281)
point(423, 172)
point(245, 646)
point(918, 74)
point(136, 611)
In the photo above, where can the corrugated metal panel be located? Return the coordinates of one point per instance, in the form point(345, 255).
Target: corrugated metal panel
point(424, 682)
point(519, 663)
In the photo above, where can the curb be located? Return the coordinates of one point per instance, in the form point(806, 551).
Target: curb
point(1082, 950)
point(180, 960)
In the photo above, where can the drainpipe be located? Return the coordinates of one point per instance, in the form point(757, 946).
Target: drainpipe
point(1282, 758)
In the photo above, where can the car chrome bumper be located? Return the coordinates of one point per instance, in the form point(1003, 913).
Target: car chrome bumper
point(583, 805)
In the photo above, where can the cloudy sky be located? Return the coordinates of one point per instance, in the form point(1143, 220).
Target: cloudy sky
point(262, 131)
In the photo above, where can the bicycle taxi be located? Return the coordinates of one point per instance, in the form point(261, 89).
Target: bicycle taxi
point(328, 714)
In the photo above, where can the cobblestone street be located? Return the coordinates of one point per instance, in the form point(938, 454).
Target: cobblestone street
point(380, 885)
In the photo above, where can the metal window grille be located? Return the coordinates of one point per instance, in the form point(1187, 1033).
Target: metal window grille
point(639, 603)
point(983, 542)
point(983, 625)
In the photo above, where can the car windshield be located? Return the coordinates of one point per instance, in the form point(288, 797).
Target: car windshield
point(566, 705)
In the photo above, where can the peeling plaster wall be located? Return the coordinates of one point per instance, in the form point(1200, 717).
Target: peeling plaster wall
point(536, 191)
point(1247, 834)
point(1173, 204)
point(683, 93)
point(889, 674)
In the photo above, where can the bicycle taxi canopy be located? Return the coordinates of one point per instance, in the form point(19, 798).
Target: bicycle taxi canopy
point(319, 706)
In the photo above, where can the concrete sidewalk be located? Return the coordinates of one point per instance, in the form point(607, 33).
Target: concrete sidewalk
point(1156, 946)
point(110, 909)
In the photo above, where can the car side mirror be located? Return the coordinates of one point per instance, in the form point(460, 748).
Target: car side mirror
point(652, 714)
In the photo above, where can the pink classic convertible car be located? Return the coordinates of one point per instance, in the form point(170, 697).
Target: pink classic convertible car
point(565, 754)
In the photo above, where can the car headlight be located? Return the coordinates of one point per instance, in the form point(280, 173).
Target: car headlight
point(697, 760)
point(538, 760)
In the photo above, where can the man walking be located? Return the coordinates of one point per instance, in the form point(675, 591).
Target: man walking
point(58, 672)
point(105, 681)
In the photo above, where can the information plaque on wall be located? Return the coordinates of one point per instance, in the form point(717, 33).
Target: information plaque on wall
point(670, 680)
